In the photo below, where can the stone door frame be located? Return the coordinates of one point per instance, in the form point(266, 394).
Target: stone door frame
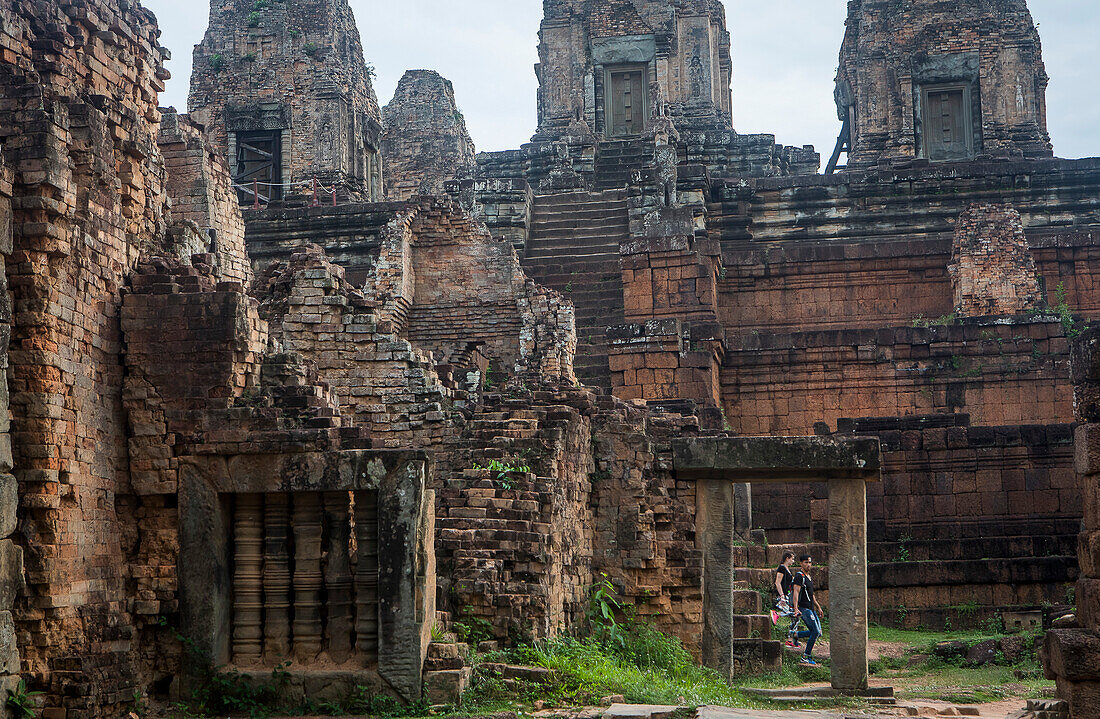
point(722, 466)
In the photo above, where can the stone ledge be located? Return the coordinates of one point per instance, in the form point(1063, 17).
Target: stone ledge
point(778, 459)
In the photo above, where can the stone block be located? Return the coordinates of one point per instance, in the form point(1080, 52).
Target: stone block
point(9, 650)
point(445, 687)
point(12, 582)
point(9, 504)
point(1072, 655)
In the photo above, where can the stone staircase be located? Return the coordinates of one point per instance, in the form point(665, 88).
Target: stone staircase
point(574, 249)
point(617, 160)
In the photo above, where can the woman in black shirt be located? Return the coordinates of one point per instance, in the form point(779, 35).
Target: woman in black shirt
point(806, 603)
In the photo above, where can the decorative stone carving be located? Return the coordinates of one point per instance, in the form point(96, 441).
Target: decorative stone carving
point(338, 583)
point(276, 576)
point(307, 576)
point(366, 574)
point(247, 573)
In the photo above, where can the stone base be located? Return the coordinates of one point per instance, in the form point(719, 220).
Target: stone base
point(756, 656)
point(446, 686)
point(325, 686)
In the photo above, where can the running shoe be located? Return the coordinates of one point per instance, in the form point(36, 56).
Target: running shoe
point(775, 617)
point(807, 661)
point(791, 644)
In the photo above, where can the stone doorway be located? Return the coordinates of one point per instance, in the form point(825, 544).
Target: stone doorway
point(722, 466)
point(626, 100)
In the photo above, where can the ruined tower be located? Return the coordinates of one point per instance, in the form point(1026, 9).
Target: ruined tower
point(616, 63)
point(941, 81)
point(285, 91)
point(425, 141)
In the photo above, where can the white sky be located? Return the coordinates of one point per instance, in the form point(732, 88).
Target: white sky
point(784, 61)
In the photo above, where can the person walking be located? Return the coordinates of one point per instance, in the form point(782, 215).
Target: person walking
point(808, 606)
point(784, 583)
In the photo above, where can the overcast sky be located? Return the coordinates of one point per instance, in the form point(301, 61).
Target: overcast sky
point(784, 61)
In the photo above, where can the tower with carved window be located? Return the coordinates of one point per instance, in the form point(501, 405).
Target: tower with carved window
point(923, 79)
point(283, 88)
point(614, 64)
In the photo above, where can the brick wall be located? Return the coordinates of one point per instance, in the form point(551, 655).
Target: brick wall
point(79, 122)
point(991, 269)
point(11, 554)
point(999, 373)
point(448, 285)
point(200, 189)
point(522, 550)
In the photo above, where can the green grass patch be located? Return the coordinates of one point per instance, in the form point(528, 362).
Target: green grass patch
point(646, 667)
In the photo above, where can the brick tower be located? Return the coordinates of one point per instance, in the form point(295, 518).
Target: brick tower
point(285, 92)
point(616, 63)
point(941, 81)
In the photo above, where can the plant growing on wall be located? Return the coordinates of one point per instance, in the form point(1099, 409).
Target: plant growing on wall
point(254, 18)
point(216, 62)
point(20, 701)
point(310, 49)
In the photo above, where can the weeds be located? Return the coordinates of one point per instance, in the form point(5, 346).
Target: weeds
point(20, 701)
point(473, 630)
point(1071, 325)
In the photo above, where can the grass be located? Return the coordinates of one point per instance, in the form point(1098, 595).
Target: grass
point(916, 676)
point(646, 668)
point(923, 637)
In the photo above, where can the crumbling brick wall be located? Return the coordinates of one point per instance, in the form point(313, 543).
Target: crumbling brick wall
point(78, 122)
point(385, 384)
point(446, 284)
point(600, 476)
point(202, 197)
point(11, 554)
point(992, 271)
point(425, 142)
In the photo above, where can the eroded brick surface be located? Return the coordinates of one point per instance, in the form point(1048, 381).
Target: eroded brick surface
point(425, 142)
point(991, 268)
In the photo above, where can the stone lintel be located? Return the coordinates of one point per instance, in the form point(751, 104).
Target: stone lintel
point(777, 459)
point(304, 471)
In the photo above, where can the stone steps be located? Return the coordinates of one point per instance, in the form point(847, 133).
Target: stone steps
point(574, 249)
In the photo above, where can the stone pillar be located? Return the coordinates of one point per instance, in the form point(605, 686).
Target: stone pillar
point(248, 562)
point(715, 532)
point(338, 582)
point(306, 627)
point(277, 576)
point(848, 583)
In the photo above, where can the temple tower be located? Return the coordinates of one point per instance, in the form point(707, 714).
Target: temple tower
point(284, 90)
point(425, 142)
point(941, 81)
point(615, 64)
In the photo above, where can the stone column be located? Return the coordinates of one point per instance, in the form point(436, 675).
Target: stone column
point(715, 536)
point(848, 583)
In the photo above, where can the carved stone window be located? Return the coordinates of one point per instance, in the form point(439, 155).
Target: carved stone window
point(259, 164)
point(305, 577)
point(947, 127)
